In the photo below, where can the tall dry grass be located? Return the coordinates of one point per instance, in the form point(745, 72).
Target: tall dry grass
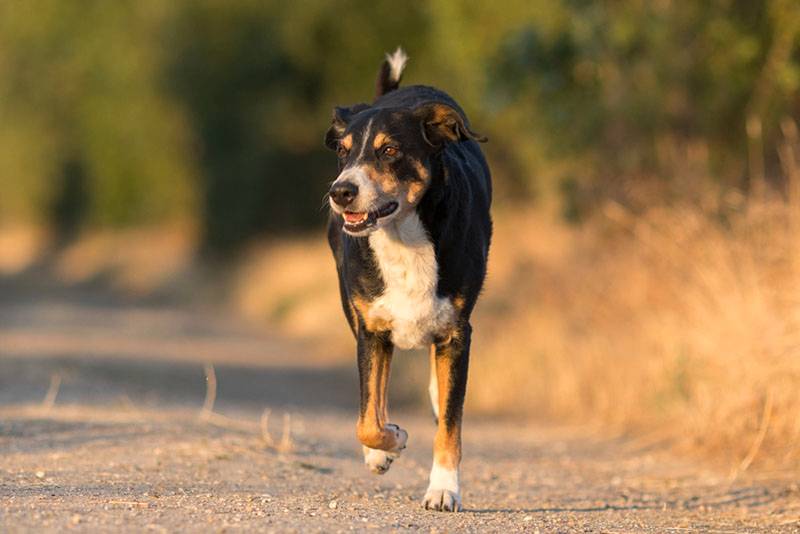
point(669, 320)
point(684, 320)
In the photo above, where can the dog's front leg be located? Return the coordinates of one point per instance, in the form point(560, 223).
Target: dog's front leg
point(382, 440)
point(452, 362)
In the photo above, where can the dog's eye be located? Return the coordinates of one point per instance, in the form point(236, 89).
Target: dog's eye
point(341, 151)
point(390, 152)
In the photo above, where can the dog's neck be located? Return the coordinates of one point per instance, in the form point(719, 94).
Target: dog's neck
point(409, 302)
point(406, 230)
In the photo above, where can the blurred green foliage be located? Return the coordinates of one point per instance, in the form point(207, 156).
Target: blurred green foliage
point(149, 112)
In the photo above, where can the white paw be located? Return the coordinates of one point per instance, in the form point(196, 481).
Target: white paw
point(379, 461)
point(442, 500)
point(443, 491)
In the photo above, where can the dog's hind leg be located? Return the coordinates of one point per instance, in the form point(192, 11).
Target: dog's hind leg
point(452, 362)
point(433, 386)
point(382, 440)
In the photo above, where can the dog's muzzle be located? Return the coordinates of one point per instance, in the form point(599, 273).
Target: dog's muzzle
point(359, 221)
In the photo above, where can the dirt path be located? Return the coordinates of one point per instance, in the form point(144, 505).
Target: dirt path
point(125, 446)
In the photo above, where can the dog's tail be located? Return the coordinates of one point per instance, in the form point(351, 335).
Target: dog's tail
point(391, 72)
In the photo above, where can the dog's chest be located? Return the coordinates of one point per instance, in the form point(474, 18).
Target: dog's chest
point(409, 303)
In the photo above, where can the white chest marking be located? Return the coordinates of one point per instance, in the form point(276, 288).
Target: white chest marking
point(409, 302)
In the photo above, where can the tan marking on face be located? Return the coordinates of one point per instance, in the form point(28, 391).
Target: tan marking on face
point(414, 192)
point(387, 182)
point(458, 302)
point(417, 188)
point(347, 141)
point(381, 139)
point(372, 324)
point(422, 171)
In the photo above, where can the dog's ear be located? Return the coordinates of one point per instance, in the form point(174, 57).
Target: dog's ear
point(341, 118)
point(442, 124)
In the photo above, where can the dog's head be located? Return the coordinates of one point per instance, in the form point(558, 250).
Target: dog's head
point(385, 159)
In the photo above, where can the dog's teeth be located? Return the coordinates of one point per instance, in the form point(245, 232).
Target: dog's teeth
point(355, 217)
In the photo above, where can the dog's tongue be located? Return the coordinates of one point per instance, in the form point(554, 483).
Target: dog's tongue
point(353, 217)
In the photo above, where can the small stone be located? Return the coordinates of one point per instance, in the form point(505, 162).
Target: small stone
point(527, 518)
point(39, 474)
point(332, 505)
point(75, 519)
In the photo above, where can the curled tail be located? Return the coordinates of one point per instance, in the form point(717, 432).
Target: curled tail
point(391, 72)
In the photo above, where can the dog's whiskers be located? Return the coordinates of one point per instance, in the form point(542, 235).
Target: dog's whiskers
point(325, 203)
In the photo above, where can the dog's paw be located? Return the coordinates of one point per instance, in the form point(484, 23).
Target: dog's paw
point(442, 500)
point(443, 492)
point(379, 461)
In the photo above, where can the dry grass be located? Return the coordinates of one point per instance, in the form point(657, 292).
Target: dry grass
point(20, 246)
point(136, 261)
point(671, 319)
point(293, 284)
point(127, 258)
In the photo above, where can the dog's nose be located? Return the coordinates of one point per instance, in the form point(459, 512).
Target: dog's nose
point(343, 193)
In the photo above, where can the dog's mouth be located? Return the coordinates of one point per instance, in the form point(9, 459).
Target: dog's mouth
point(358, 221)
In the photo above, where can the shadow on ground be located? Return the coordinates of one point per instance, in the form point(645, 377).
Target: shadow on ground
point(151, 383)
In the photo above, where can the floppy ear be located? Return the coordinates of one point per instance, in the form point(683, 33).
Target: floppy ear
point(441, 124)
point(341, 118)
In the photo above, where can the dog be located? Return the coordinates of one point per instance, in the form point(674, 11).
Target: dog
point(410, 230)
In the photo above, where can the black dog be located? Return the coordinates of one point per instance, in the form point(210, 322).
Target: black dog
point(410, 231)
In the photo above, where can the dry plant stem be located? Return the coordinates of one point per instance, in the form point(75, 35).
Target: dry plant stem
point(286, 444)
point(264, 423)
point(762, 432)
point(126, 401)
point(52, 392)
point(207, 414)
point(211, 391)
